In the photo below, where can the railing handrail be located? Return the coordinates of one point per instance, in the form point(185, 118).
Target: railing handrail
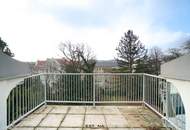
point(93, 73)
point(156, 76)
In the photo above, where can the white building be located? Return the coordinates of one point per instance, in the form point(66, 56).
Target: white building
point(50, 65)
point(177, 72)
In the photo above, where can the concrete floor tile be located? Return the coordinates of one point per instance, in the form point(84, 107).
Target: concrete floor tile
point(140, 129)
point(95, 129)
point(39, 110)
point(95, 120)
point(152, 120)
point(34, 115)
point(110, 110)
point(44, 109)
point(32, 120)
point(77, 110)
point(70, 129)
point(94, 110)
point(127, 128)
point(46, 129)
point(116, 121)
point(73, 121)
point(60, 109)
point(129, 110)
point(52, 120)
point(23, 129)
point(136, 121)
point(120, 128)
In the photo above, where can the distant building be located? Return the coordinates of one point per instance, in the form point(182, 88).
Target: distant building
point(49, 66)
point(52, 65)
point(10, 67)
point(105, 66)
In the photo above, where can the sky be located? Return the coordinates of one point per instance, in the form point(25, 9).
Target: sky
point(34, 29)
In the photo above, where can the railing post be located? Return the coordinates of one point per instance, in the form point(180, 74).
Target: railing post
point(94, 90)
point(143, 87)
point(167, 98)
point(45, 90)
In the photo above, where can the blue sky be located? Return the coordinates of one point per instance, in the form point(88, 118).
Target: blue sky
point(34, 28)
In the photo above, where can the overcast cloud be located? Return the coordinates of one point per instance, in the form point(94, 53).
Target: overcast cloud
point(33, 29)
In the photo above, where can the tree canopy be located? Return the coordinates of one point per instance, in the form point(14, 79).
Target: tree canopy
point(78, 58)
point(4, 48)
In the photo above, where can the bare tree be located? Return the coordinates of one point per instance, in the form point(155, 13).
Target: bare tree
point(155, 59)
point(88, 61)
point(186, 46)
point(78, 58)
point(172, 53)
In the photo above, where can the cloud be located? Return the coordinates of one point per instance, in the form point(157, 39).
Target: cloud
point(80, 4)
point(35, 33)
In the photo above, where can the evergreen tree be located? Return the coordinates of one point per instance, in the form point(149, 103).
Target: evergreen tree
point(129, 51)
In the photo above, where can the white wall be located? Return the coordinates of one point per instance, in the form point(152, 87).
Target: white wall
point(184, 90)
point(177, 69)
point(5, 88)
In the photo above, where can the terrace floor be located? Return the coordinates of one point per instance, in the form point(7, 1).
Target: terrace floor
point(61, 117)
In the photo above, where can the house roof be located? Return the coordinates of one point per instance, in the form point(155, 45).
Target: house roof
point(106, 63)
point(42, 63)
point(178, 68)
point(10, 67)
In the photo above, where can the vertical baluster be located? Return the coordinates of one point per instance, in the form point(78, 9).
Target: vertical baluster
point(29, 94)
point(104, 87)
point(100, 80)
point(8, 109)
point(61, 88)
point(70, 97)
point(26, 87)
point(64, 87)
point(81, 88)
point(75, 87)
point(32, 92)
point(137, 88)
point(36, 90)
point(148, 89)
point(22, 96)
point(126, 95)
point(132, 87)
point(13, 104)
point(156, 91)
point(152, 92)
point(56, 87)
point(119, 91)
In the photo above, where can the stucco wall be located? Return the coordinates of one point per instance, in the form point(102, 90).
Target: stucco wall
point(177, 69)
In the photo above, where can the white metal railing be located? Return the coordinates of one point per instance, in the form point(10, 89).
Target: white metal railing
point(93, 88)
point(24, 98)
point(165, 100)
